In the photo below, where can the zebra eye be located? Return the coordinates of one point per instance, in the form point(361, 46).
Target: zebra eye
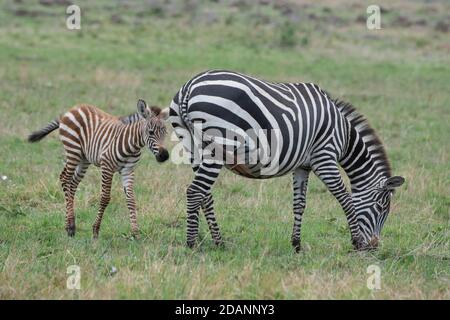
point(151, 131)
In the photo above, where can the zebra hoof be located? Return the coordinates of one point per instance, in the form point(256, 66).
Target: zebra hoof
point(190, 244)
point(135, 236)
point(71, 231)
point(95, 233)
point(297, 246)
point(219, 244)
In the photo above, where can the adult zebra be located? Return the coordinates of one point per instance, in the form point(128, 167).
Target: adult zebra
point(298, 128)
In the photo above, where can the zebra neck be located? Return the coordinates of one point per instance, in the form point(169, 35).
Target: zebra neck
point(134, 117)
point(137, 132)
point(365, 161)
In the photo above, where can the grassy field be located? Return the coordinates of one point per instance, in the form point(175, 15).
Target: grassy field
point(398, 77)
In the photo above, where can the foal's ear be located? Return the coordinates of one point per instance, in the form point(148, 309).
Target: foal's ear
point(393, 182)
point(143, 109)
point(164, 114)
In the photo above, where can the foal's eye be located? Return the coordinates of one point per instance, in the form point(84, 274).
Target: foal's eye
point(151, 131)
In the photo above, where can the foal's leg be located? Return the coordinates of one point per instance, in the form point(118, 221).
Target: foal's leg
point(79, 173)
point(107, 175)
point(196, 194)
point(127, 183)
point(300, 186)
point(74, 170)
point(72, 186)
point(66, 180)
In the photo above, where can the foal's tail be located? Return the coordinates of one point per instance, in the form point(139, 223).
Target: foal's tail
point(40, 134)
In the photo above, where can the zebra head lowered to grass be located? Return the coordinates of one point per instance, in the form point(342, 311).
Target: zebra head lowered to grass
point(91, 136)
point(261, 130)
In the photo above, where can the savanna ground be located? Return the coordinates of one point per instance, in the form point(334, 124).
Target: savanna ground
point(398, 77)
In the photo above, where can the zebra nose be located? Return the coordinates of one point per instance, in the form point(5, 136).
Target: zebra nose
point(373, 243)
point(163, 155)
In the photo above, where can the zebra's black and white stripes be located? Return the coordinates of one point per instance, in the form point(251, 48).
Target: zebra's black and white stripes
point(91, 136)
point(295, 127)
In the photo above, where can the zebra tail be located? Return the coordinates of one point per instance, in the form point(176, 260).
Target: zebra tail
point(40, 134)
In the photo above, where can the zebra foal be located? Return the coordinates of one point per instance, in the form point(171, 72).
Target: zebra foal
point(91, 136)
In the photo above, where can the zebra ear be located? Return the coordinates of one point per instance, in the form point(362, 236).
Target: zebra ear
point(143, 109)
point(393, 182)
point(164, 114)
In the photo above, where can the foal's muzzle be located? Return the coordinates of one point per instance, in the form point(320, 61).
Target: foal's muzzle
point(162, 155)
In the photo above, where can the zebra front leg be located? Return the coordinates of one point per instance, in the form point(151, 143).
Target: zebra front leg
point(128, 183)
point(197, 191)
point(327, 170)
point(208, 210)
point(107, 175)
point(300, 185)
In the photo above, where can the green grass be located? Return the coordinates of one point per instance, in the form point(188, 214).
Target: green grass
point(398, 77)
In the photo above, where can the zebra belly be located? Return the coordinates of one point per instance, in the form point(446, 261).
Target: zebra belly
point(249, 171)
point(258, 170)
point(250, 163)
point(245, 171)
point(92, 156)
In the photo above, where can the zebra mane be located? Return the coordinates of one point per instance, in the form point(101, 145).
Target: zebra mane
point(134, 117)
point(367, 133)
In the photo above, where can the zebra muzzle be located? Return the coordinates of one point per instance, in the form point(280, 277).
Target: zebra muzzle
point(373, 243)
point(162, 155)
point(370, 246)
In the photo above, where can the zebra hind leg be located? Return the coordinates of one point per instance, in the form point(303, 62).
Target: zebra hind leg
point(208, 210)
point(196, 193)
point(79, 173)
point(66, 181)
point(107, 176)
point(300, 184)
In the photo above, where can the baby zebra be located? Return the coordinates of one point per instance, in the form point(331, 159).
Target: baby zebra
point(91, 136)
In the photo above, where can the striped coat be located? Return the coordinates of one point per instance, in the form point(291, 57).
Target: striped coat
point(91, 136)
point(261, 130)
